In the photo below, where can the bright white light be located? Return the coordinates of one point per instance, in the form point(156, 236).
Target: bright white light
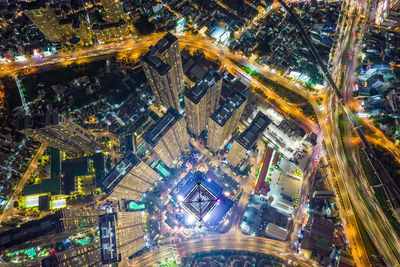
point(206, 217)
point(190, 219)
point(180, 198)
point(20, 58)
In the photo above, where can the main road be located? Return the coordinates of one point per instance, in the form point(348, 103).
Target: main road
point(237, 242)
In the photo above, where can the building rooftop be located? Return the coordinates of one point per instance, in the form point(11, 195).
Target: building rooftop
point(166, 42)
point(157, 131)
point(34, 5)
point(108, 240)
point(123, 167)
point(38, 121)
point(200, 201)
point(29, 230)
point(223, 113)
point(52, 185)
point(199, 90)
point(155, 62)
point(256, 128)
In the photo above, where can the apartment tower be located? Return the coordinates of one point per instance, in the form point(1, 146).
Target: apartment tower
point(121, 235)
point(163, 68)
point(202, 101)
point(246, 140)
point(168, 137)
point(58, 132)
point(223, 121)
point(130, 179)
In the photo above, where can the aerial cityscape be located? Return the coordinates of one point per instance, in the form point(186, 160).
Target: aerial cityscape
point(200, 133)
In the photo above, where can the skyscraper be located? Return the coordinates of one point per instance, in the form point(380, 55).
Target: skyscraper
point(222, 122)
point(121, 235)
point(58, 132)
point(88, 255)
point(163, 68)
point(202, 101)
point(52, 228)
point(113, 9)
point(168, 137)
point(45, 19)
point(246, 140)
point(129, 179)
point(72, 219)
point(169, 51)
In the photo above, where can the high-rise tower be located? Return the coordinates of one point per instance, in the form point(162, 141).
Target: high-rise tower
point(168, 137)
point(121, 235)
point(222, 122)
point(129, 179)
point(246, 140)
point(58, 132)
point(163, 68)
point(88, 255)
point(169, 51)
point(202, 101)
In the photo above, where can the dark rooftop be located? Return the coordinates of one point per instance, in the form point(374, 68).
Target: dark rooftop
point(199, 90)
point(251, 134)
point(123, 167)
point(102, 26)
point(157, 131)
point(165, 42)
point(155, 63)
point(223, 113)
point(36, 122)
point(33, 5)
point(109, 253)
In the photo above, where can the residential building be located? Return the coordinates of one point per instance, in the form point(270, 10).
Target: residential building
point(58, 132)
point(44, 17)
point(168, 137)
point(129, 179)
point(72, 219)
point(202, 101)
point(108, 31)
point(113, 10)
point(121, 235)
point(88, 255)
point(51, 228)
point(163, 68)
point(222, 122)
point(169, 51)
point(246, 140)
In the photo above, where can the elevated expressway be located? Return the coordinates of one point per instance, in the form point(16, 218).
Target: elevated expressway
point(354, 190)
